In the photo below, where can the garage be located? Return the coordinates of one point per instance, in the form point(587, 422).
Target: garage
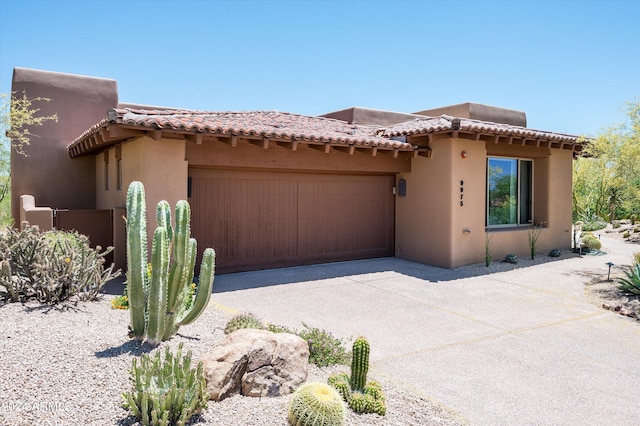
point(267, 219)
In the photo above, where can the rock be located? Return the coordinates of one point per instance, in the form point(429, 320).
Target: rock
point(256, 363)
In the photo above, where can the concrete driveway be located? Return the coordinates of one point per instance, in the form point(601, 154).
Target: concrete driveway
point(523, 347)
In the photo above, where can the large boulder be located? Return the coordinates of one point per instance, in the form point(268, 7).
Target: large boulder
point(256, 363)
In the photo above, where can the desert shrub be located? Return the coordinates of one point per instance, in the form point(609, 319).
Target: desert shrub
point(324, 348)
point(120, 302)
point(166, 391)
point(616, 224)
point(50, 267)
point(594, 225)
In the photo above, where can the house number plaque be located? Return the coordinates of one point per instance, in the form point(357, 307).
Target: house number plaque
point(461, 193)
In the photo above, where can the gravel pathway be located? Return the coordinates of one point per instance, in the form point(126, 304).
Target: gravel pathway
point(69, 366)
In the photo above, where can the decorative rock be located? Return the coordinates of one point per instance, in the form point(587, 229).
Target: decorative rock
point(256, 363)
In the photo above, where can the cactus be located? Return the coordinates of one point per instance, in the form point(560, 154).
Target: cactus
point(632, 218)
point(166, 391)
point(511, 258)
point(590, 241)
point(555, 253)
point(243, 321)
point(360, 395)
point(316, 404)
point(359, 364)
point(157, 295)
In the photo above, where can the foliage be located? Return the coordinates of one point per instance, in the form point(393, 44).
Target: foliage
point(594, 225)
point(120, 302)
point(636, 229)
point(606, 178)
point(166, 391)
point(240, 321)
point(18, 115)
point(533, 234)
point(324, 348)
point(626, 234)
point(631, 284)
point(316, 403)
point(616, 224)
point(50, 267)
point(555, 253)
point(361, 396)
point(511, 258)
point(487, 250)
point(157, 294)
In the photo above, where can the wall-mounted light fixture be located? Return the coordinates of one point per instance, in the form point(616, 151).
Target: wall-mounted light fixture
point(466, 231)
point(463, 154)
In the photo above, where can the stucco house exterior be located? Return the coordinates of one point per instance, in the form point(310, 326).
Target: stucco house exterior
point(271, 189)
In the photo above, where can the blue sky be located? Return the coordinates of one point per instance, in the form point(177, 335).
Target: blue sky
point(569, 64)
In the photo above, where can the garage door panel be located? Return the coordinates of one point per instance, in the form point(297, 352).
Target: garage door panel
point(260, 220)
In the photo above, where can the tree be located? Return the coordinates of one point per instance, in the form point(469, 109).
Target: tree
point(18, 115)
point(606, 179)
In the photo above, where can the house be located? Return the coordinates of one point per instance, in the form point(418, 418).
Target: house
point(272, 189)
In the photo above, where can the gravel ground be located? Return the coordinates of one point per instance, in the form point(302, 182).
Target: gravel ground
point(69, 366)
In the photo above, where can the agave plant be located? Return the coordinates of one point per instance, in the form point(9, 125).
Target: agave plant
point(631, 284)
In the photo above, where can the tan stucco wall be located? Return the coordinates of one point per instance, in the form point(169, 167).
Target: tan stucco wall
point(423, 216)
point(432, 227)
point(48, 173)
point(160, 165)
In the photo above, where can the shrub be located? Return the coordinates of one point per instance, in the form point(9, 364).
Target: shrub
point(166, 391)
point(240, 321)
point(626, 234)
point(324, 348)
point(51, 267)
point(120, 302)
point(594, 225)
point(532, 236)
point(316, 404)
point(616, 224)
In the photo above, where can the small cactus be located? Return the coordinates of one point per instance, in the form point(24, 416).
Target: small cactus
point(316, 404)
point(243, 321)
point(626, 234)
point(359, 364)
point(555, 253)
point(511, 258)
point(361, 396)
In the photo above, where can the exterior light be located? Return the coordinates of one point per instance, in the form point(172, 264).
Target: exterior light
point(463, 154)
point(610, 264)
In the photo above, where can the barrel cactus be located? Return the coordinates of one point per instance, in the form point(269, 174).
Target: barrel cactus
point(590, 241)
point(511, 258)
point(157, 292)
point(555, 253)
point(243, 321)
point(316, 404)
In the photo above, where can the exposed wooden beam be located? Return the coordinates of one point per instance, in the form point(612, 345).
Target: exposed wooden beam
point(374, 151)
point(156, 134)
point(496, 139)
point(198, 138)
point(524, 141)
point(396, 152)
point(352, 149)
point(548, 144)
point(538, 141)
point(265, 143)
point(477, 136)
point(234, 141)
point(327, 147)
point(454, 134)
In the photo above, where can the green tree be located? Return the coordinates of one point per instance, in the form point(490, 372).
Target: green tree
point(18, 115)
point(606, 179)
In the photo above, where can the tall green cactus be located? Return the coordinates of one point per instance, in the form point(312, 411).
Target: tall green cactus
point(359, 364)
point(156, 297)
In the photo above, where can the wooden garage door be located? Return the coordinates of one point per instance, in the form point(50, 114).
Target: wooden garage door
point(257, 220)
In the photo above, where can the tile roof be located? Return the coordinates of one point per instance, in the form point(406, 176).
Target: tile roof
point(286, 126)
point(428, 125)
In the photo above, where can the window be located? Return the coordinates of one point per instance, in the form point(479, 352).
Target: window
point(509, 191)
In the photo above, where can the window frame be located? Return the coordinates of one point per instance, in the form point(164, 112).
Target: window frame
point(519, 195)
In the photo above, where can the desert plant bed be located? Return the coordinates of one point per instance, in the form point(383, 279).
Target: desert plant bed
point(68, 364)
